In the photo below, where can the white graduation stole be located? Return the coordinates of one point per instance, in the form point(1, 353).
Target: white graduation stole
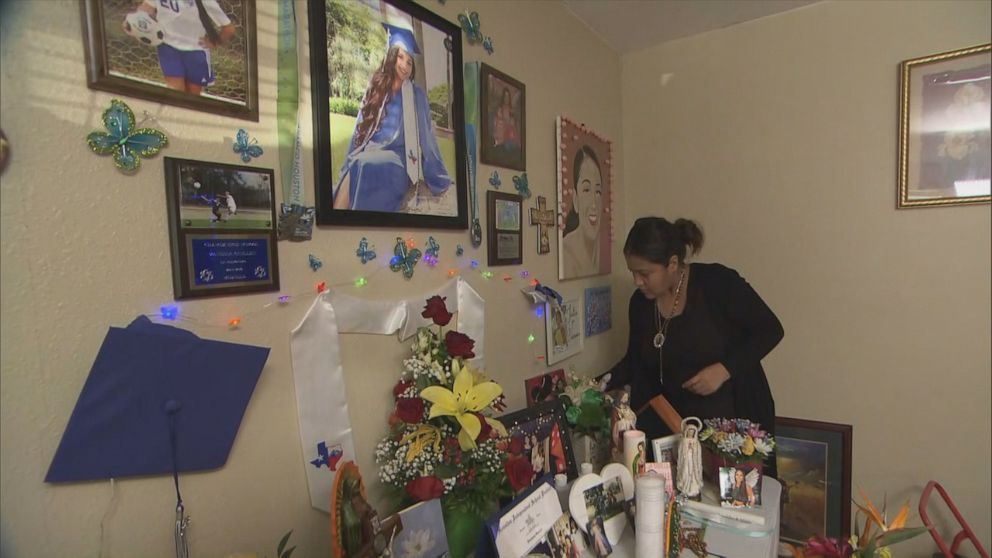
point(411, 137)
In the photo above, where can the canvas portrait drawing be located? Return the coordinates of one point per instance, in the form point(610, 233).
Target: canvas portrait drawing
point(389, 117)
point(585, 185)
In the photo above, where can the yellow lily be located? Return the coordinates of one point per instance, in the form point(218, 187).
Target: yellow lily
point(462, 402)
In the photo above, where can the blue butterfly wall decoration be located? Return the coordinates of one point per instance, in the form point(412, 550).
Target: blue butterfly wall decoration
point(127, 144)
point(364, 252)
point(431, 252)
point(487, 44)
point(404, 259)
point(459, 250)
point(520, 183)
point(471, 26)
point(315, 262)
point(494, 180)
point(247, 149)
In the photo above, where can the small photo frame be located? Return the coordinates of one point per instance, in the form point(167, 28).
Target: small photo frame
point(598, 540)
point(542, 433)
point(565, 538)
point(504, 120)
point(666, 450)
point(505, 213)
point(740, 486)
point(563, 329)
point(546, 387)
point(128, 43)
point(944, 133)
point(666, 471)
point(814, 467)
point(222, 228)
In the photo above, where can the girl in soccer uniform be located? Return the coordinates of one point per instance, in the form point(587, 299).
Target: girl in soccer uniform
point(191, 28)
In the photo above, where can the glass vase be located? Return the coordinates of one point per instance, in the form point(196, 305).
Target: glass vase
point(462, 528)
point(588, 449)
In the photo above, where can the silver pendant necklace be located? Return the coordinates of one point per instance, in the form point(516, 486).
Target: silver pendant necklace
point(662, 322)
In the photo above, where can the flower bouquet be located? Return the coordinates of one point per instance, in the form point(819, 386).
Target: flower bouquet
point(587, 410)
point(736, 440)
point(874, 542)
point(443, 442)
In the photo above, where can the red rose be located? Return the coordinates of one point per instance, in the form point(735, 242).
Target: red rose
point(425, 488)
point(437, 311)
point(459, 345)
point(485, 430)
point(410, 409)
point(519, 471)
point(516, 445)
point(400, 387)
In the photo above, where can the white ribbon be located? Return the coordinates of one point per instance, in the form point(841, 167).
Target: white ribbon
point(321, 399)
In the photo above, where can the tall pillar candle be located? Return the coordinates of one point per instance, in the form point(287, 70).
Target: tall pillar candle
point(649, 517)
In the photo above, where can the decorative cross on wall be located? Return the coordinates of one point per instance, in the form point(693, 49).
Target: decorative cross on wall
point(543, 218)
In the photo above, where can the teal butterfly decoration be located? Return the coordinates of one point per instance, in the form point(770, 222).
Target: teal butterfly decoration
point(459, 250)
point(494, 180)
point(127, 144)
point(403, 259)
point(315, 262)
point(520, 183)
point(432, 250)
point(247, 149)
point(364, 252)
point(487, 44)
point(471, 26)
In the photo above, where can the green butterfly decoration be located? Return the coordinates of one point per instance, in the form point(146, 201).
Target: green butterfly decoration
point(127, 144)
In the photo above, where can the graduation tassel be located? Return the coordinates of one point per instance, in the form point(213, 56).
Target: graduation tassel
point(182, 520)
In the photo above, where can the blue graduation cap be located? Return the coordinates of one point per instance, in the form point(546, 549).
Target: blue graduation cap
point(158, 400)
point(402, 37)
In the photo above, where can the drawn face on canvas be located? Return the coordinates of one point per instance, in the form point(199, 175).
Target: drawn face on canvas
point(589, 198)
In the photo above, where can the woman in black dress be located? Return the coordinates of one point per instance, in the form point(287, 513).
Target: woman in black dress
point(698, 333)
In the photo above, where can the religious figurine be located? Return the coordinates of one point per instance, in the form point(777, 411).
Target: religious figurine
point(622, 419)
point(690, 465)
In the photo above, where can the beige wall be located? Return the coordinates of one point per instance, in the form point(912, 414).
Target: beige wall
point(85, 248)
point(779, 136)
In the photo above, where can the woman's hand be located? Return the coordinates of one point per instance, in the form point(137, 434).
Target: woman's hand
point(707, 380)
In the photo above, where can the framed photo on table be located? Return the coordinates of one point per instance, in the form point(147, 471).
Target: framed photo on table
point(542, 433)
point(814, 467)
point(505, 218)
point(504, 120)
point(222, 228)
point(126, 48)
point(944, 134)
point(368, 171)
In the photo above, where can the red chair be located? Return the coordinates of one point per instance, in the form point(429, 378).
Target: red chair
point(964, 533)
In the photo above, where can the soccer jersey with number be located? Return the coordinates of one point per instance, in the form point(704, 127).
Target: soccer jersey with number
point(180, 21)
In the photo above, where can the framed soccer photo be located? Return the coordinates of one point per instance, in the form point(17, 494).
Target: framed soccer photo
point(222, 228)
point(814, 467)
point(197, 54)
point(944, 133)
point(506, 236)
point(540, 434)
point(504, 122)
point(388, 115)
point(585, 185)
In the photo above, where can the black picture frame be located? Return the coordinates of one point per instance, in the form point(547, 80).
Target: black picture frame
point(112, 66)
point(505, 223)
point(216, 248)
point(541, 420)
point(510, 148)
point(440, 54)
point(810, 454)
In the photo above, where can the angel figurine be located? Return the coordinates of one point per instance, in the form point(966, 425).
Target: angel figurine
point(690, 465)
point(622, 419)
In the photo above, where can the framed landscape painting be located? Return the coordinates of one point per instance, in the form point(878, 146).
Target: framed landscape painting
point(388, 116)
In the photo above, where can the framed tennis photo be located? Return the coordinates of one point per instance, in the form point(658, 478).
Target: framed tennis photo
point(389, 115)
point(197, 54)
point(222, 228)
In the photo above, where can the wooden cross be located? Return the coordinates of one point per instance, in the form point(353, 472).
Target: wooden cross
point(543, 218)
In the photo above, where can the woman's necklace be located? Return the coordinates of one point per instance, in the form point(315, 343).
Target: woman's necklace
point(661, 322)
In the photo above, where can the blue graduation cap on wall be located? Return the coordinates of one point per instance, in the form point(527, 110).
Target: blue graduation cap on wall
point(402, 37)
point(158, 400)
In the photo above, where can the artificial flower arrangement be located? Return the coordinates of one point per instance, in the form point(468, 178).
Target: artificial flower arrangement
point(736, 440)
point(874, 542)
point(443, 441)
point(587, 408)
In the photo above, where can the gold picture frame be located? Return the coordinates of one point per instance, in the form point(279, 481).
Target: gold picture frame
point(944, 102)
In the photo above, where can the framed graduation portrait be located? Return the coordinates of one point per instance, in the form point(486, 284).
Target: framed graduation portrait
point(197, 54)
point(388, 110)
point(585, 186)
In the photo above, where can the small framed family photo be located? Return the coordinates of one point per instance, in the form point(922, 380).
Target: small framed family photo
point(221, 228)
point(197, 54)
point(389, 115)
point(666, 450)
point(504, 122)
point(505, 216)
point(546, 387)
point(944, 134)
point(541, 435)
